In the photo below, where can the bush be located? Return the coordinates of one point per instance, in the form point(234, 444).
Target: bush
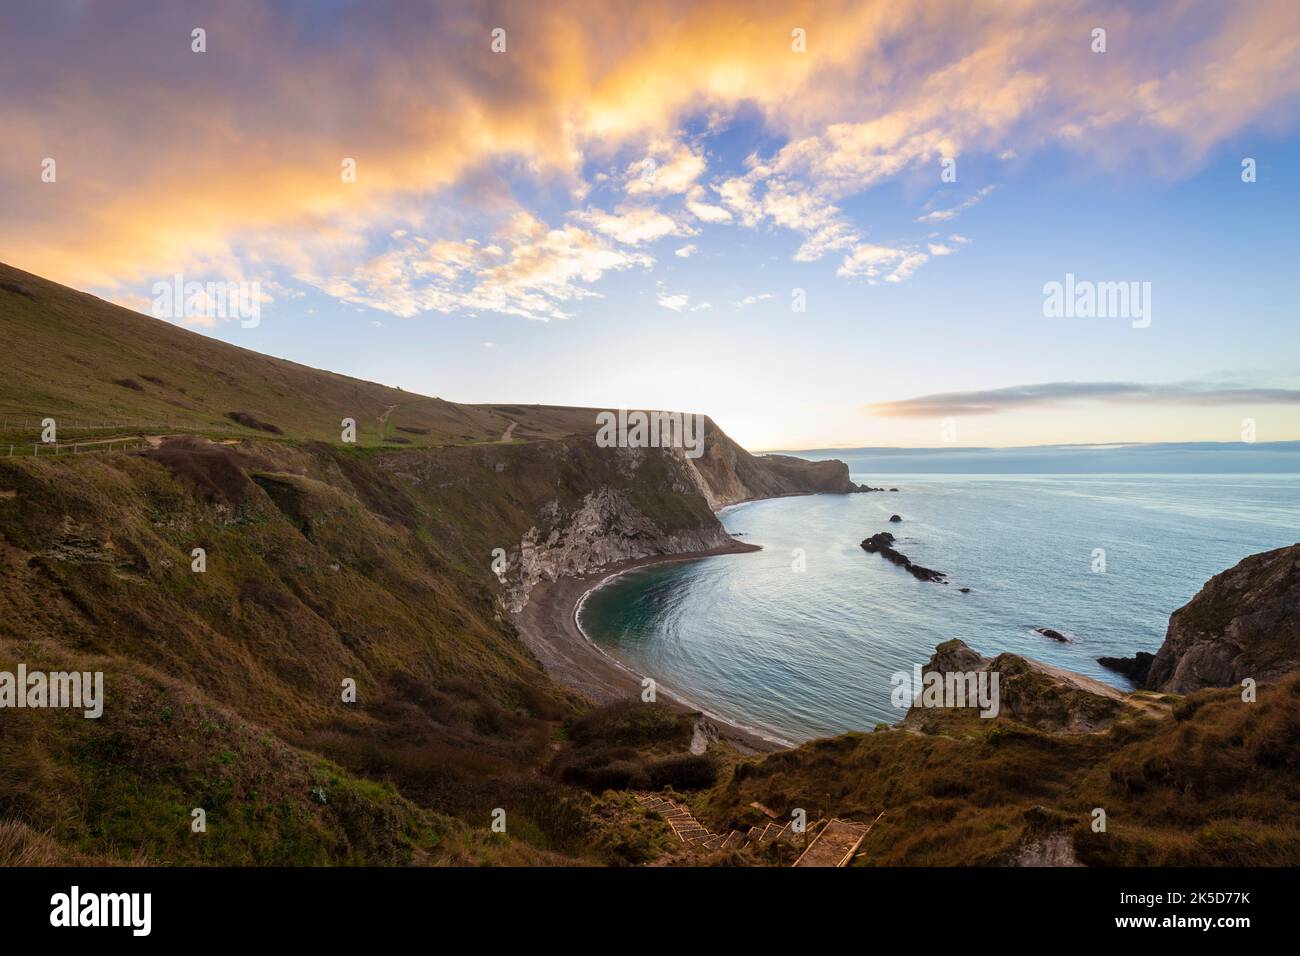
point(601, 770)
point(628, 722)
point(683, 772)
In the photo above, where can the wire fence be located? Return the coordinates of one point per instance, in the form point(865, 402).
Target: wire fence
point(21, 423)
point(68, 449)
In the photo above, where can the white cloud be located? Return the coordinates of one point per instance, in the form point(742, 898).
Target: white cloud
point(528, 269)
point(698, 206)
point(792, 205)
point(874, 261)
point(678, 301)
point(670, 168)
point(686, 251)
point(910, 263)
point(633, 225)
point(943, 215)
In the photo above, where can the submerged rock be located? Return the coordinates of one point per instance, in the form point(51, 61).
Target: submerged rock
point(1054, 635)
point(895, 518)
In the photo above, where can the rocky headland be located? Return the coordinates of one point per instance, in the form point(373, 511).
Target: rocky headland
point(1243, 623)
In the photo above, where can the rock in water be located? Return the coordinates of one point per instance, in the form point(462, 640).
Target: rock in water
point(881, 543)
point(895, 518)
point(1048, 632)
point(878, 542)
point(1135, 668)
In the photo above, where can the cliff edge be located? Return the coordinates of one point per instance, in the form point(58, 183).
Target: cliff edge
point(1245, 622)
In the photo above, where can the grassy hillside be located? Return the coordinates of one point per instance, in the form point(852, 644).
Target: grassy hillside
point(323, 563)
point(84, 360)
point(328, 563)
point(1210, 781)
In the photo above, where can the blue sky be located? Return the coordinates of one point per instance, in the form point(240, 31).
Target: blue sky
point(617, 210)
point(1220, 255)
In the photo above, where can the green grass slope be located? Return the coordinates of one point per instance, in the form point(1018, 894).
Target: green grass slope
point(83, 360)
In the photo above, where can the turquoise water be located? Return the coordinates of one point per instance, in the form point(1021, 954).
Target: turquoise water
point(802, 654)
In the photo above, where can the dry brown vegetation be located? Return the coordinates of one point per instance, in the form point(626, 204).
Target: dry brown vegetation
point(1215, 781)
point(327, 562)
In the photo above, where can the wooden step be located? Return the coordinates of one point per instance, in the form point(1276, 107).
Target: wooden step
point(836, 844)
point(790, 836)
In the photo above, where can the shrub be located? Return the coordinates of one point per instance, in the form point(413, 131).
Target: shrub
point(683, 772)
point(629, 723)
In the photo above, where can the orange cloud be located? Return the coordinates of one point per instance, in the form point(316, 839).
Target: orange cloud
point(168, 157)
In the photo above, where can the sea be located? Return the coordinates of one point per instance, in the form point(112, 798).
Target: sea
point(801, 639)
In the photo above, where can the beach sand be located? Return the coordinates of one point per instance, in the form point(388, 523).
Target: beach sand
point(548, 625)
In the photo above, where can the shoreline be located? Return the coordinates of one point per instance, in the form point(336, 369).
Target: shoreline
point(548, 625)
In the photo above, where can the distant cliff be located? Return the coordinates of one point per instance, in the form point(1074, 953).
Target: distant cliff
point(727, 474)
point(624, 504)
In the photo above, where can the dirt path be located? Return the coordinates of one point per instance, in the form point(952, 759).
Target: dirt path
point(508, 434)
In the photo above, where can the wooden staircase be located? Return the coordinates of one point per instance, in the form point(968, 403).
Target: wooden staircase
point(837, 843)
point(832, 843)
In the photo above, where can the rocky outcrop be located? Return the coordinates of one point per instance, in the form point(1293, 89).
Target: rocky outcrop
point(647, 502)
point(1053, 634)
point(882, 544)
point(726, 474)
point(1046, 840)
point(1028, 691)
point(1245, 622)
point(606, 530)
point(1135, 668)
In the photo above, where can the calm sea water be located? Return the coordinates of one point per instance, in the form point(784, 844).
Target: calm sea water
point(802, 654)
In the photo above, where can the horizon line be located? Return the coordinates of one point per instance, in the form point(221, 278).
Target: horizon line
point(1066, 445)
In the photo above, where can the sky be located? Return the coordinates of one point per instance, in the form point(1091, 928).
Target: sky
point(825, 224)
